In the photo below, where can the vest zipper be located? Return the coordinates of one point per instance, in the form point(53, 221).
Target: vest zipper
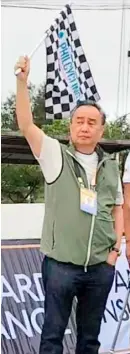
point(90, 242)
point(93, 216)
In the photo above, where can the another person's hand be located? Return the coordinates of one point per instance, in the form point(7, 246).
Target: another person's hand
point(112, 258)
point(128, 251)
point(23, 64)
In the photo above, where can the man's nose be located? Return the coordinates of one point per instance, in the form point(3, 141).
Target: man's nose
point(85, 127)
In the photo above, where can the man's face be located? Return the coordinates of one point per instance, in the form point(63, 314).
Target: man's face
point(86, 128)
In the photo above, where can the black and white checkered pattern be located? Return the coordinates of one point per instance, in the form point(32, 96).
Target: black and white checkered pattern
point(59, 98)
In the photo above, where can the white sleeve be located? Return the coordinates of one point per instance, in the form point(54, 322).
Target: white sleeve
point(50, 159)
point(126, 176)
point(119, 196)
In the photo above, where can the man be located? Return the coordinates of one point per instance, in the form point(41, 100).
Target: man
point(83, 224)
point(126, 181)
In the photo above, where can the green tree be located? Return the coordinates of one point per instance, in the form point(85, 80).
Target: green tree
point(37, 97)
point(21, 184)
point(118, 130)
point(24, 183)
point(8, 109)
point(8, 115)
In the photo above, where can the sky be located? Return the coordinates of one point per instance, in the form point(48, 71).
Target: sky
point(100, 35)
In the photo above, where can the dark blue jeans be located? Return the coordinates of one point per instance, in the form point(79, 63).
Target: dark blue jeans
point(62, 282)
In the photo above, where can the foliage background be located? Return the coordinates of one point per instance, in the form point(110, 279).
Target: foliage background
point(25, 183)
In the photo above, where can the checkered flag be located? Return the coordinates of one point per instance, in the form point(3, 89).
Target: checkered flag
point(69, 77)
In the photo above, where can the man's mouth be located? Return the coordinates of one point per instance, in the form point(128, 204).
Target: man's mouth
point(84, 137)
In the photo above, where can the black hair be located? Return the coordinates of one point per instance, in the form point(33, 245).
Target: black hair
point(89, 103)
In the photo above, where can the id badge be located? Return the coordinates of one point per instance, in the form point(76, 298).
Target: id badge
point(88, 201)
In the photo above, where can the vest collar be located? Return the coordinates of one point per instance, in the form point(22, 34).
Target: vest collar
point(98, 149)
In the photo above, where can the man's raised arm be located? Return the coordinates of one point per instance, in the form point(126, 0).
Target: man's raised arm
point(32, 133)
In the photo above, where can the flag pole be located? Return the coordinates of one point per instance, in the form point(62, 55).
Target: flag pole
point(18, 71)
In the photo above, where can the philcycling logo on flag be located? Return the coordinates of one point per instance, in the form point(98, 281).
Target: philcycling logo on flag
point(67, 65)
point(69, 77)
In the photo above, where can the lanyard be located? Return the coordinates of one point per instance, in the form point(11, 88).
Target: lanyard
point(80, 179)
point(78, 174)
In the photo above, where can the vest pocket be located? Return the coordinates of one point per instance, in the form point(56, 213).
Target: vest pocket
point(53, 236)
point(48, 237)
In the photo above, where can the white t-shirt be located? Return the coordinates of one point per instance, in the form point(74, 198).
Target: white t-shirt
point(126, 176)
point(50, 161)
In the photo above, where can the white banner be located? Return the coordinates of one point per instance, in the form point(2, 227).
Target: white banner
point(114, 307)
point(30, 218)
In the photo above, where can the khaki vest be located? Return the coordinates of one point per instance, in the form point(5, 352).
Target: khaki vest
point(69, 234)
